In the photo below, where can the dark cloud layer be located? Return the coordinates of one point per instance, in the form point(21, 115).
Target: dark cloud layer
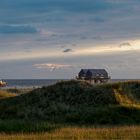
point(17, 29)
point(51, 5)
point(22, 11)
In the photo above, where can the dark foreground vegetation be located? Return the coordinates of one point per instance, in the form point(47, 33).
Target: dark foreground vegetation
point(71, 103)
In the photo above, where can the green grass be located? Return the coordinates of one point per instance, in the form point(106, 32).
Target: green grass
point(71, 103)
point(22, 126)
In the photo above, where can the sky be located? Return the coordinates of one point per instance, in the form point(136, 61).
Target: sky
point(54, 39)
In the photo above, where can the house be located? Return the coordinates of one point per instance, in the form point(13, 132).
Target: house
point(2, 83)
point(97, 75)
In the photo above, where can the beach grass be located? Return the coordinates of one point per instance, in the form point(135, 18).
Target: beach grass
point(19, 91)
point(80, 133)
point(6, 94)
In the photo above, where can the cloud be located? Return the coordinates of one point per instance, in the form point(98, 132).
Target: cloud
point(25, 11)
point(83, 37)
point(67, 50)
point(97, 20)
point(17, 29)
point(97, 37)
point(52, 66)
point(48, 5)
point(125, 44)
point(74, 44)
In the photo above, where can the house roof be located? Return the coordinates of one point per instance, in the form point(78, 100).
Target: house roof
point(102, 71)
point(84, 70)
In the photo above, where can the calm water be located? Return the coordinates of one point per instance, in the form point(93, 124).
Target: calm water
point(24, 83)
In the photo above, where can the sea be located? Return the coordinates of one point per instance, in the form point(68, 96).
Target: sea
point(35, 83)
point(30, 83)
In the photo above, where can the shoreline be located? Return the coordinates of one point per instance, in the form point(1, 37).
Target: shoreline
point(20, 86)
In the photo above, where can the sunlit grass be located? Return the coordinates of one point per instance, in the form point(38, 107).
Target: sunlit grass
point(5, 94)
point(77, 133)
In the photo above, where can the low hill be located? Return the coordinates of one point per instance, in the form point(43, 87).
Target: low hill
point(77, 103)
